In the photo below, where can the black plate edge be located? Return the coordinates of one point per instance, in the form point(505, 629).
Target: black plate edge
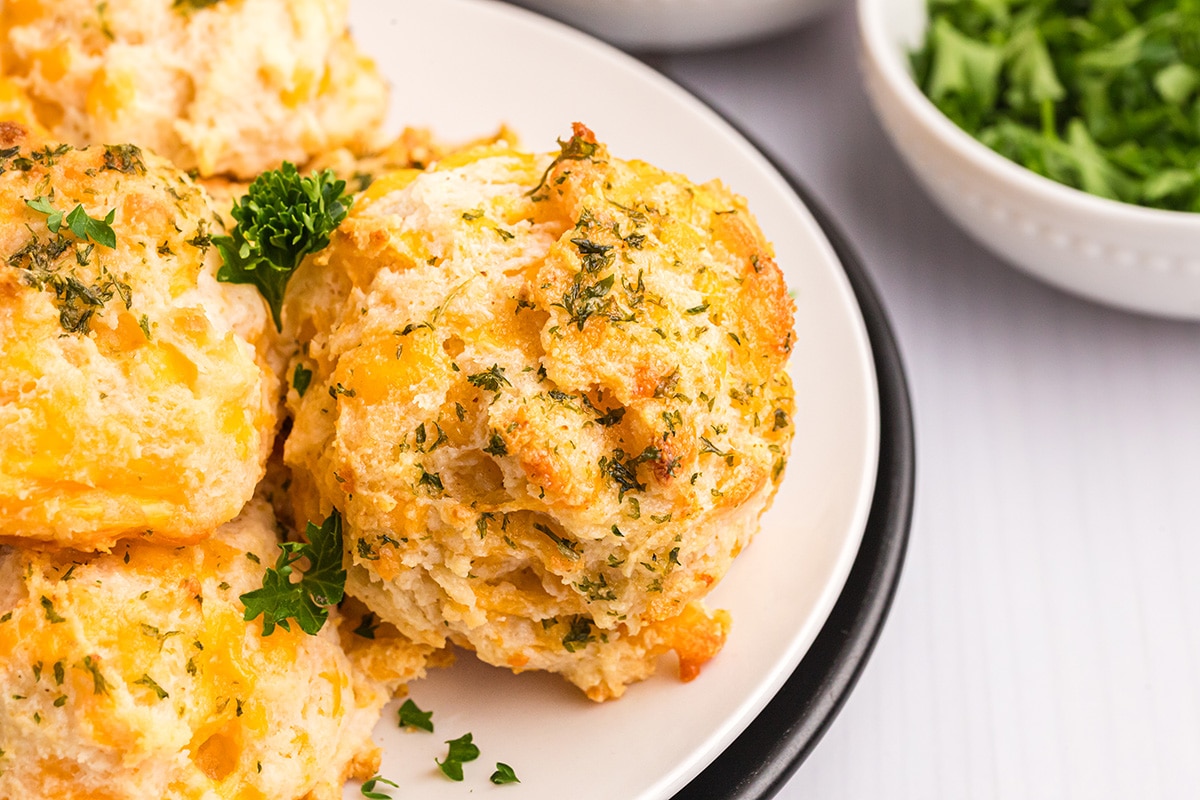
point(769, 751)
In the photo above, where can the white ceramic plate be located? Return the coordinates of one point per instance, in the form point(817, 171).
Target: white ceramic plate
point(463, 67)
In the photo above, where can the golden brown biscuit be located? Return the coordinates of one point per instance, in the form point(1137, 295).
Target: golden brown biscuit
point(133, 675)
point(130, 400)
point(548, 396)
point(217, 86)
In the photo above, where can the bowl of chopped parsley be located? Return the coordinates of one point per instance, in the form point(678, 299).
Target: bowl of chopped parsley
point(1063, 134)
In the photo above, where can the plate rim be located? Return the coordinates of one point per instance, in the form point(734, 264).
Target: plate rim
point(769, 750)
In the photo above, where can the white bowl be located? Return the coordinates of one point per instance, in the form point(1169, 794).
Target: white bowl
point(1136, 258)
point(679, 24)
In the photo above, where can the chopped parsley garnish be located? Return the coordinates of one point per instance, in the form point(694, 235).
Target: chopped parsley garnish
point(504, 774)
point(53, 616)
point(594, 257)
point(579, 635)
point(421, 436)
point(583, 302)
point(368, 624)
point(48, 157)
point(411, 716)
point(460, 752)
point(708, 447)
point(282, 218)
point(77, 302)
point(611, 417)
point(596, 589)
point(579, 147)
point(39, 263)
point(125, 158)
point(496, 445)
point(565, 546)
point(78, 222)
point(307, 601)
point(146, 680)
point(369, 788)
point(622, 468)
point(491, 380)
point(301, 378)
point(430, 480)
point(99, 684)
point(1100, 96)
point(201, 239)
point(192, 5)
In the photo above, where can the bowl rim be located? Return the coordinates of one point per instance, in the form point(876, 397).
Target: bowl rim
point(882, 50)
point(642, 25)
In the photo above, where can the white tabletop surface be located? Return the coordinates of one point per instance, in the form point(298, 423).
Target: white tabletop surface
point(1045, 640)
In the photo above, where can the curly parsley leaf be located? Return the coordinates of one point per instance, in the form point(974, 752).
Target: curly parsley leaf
point(78, 222)
point(504, 774)
point(368, 624)
point(53, 616)
point(301, 378)
point(492, 380)
point(411, 716)
point(282, 218)
point(307, 601)
point(369, 788)
point(461, 751)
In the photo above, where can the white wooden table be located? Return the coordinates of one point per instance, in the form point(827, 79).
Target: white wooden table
point(1045, 641)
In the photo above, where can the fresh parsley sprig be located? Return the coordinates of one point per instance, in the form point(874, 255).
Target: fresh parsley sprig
point(307, 601)
point(282, 218)
point(461, 751)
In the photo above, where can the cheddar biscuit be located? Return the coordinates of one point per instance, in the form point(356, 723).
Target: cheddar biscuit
point(133, 675)
point(132, 398)
point(217, 86)
point(548, 395)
